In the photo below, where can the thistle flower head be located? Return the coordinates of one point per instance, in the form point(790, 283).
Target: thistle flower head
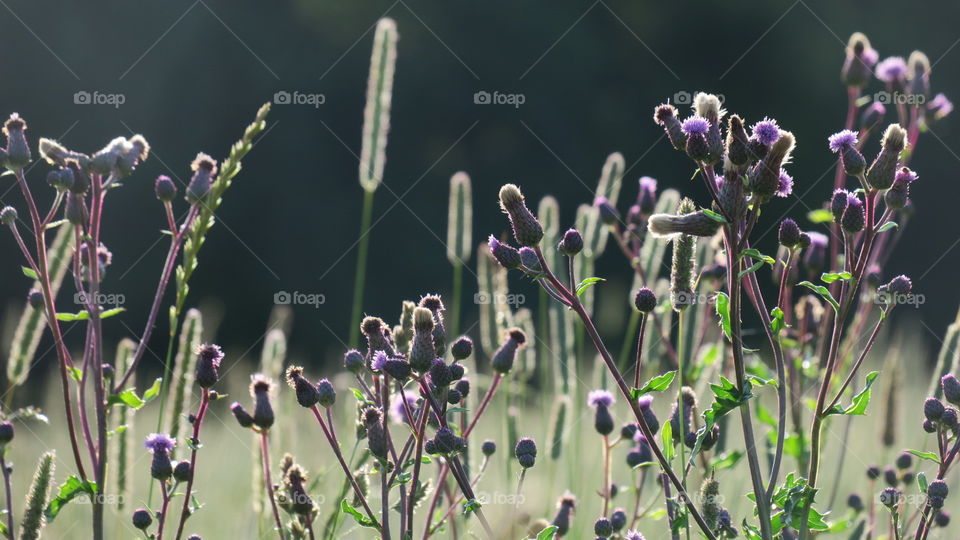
point(527, 230)
point(918, 74)
point(164, 188)
point(861, 57)
point(647, 196)
point(786, 185)
point(872, 115)
point(892, 69)
point(645, 300)
point(708, 106)
point(462, 348)
point(353, 361)
point(951, 388)
point(379, 361)
point(18, 151)
point(571, 243)
point(141, 519)
point(633, 535)
point(842, 139)
point(600, 398)
point(506, 255)
point(6, 432)
point(666, 116)
point(789, 233)
point(695, 125)
point(940, 106)
point(260, 383)
point(243, 417)
point(765, 132)
point(159, 442)
point(209, 357)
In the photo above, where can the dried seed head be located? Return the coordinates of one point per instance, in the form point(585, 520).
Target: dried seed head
point(18, 151)
point(204, 168)
point(241, 414)
point(260, 388)
point(666, 116)
point(526, 229)
point(209, 357)
point(883, 170)
point(307, 393)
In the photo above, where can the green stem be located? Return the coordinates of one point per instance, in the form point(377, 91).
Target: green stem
point(361, 271)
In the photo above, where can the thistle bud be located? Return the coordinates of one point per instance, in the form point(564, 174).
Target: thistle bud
point(308, 395)
point(899, 286)
point(918, 74)
point(241, 414)
point(6, 432)
point(60, 179)
point(75, 209)
point(440, 374)
point(855, 503)
point(738, 151)
point(8, 216)
point(890, 476)
point(564, 514)
point(933, 409)
point(526, 229)
point(260, 388)
point(854, 218)
point(378, 335)
point(488, 447)
point(571, 243)
point(398, 368)
point(666, 116)
point(445, 442)
point(949, 417)
point(601, 400)
point(764, 180)
point(376, 437)
point(845, 144)
point(695, 128)
point(789, 233)
point(457, 371)
point(649, 416)
point(526, 452)
point(682, 270)
point(422, 351)
point(462, 387)
point(951, 388)
point(618, 519)
point(890, 496)
point(858, 67)
point(164, 188)
point(942, 518)
point(506, 255)
point(207, 373)
point(353, 361)
point(645, 300)
point(815, 256)
point(462, 348)
point(929, 427)
point(160, 445)
point(204, 168)
point(142, 519)
point(183, 472)
point(898, 195)
point(938, 488)
point(882, 171)
point(435, 305)
point(503, 358)
point(872, 116)
point(873, 472)
point(904, 461)
point(607, 212)
point(838, 203)
point(530, 261)
point(17, 151)
point(81, 181)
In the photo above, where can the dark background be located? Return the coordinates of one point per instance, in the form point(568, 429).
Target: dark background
point(194, 73)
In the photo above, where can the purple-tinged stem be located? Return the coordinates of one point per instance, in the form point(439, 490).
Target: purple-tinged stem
point(195, 439)
point(164, 507)
point(267, 479)
point(420, 430)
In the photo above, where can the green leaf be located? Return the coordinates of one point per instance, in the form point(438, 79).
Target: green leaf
point(361, 519)
point(587, 283)
point(128, 397)
point(666, 440)
point(714, 216)
point(756, 266)
point(755, 254)
point(820, 215)
point(823, 292)
point(830, 277)
point(726, 461)
point(860, 401)
point(29, 273)
point(71, 317)
point(106, 314)
point(154, 390)
point(70, 489)
point(402, 478)
point(922, 481)
point(471, 506)
point(656, 384)
point(925, 455)
point(723, 310)
point(75, 373)
point(548, 534)
point(777, 323)
point(887, 226)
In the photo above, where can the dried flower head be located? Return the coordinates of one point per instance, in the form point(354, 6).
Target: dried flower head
point(209, 357)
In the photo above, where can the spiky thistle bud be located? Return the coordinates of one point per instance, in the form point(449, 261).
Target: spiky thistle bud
point(422, 351)
point(526, 229)
point(60, 179)
point(618, 519)
point(376, 437)
point(141, 519)
point(462, 348)
point(204, 168)
point(241, 414)
point(899, 193)
point(183, 471)
point(307, 394)
point(854, 217)
point(353, 361)
point(564, 515)
point(160, 445)
point(530, 261)
point(602, 527)
point(17, 151)
point(260, 388)
point(737, 142)
point(764, 180)
point(949, 418)
point(951, 388)
point(209, 357)
point(789, 233)
point(505, 254)
point(378, 336)
point(858, 66)
point(666, 116)
point(845, 144)
point(645, 300)
point(488, 447)
point(601, 401)
point(503, 358)
point(526, 452)
point(435, 305)
point(571, 243)
point(933, 409)
point(164, 188)
point(838, 203)
point(883, 170)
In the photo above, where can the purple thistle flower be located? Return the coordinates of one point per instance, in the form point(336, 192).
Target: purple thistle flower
point(818, 239)
point(638, 437)
point(398, 413)
point(766, 131)
point(696, 125)
point(940, 106)
point(719, 180)
point(379, 361)
point(633, 535)
point(597, 398)
point(645, 401)
point(892, 69)
point(841, 140)
point(159, 442)
point(786, 184)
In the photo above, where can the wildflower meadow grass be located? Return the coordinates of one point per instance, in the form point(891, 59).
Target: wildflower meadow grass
point(753, 395)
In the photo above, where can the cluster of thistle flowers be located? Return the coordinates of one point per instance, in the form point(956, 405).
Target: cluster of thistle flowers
point(171, 474)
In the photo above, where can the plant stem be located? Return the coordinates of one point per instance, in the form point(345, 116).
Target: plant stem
point(265, 462)
point(606, 475)
point(638, 365)
point(9, 494)
point(195, 439)
point(164, 507)
point(361, 271)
